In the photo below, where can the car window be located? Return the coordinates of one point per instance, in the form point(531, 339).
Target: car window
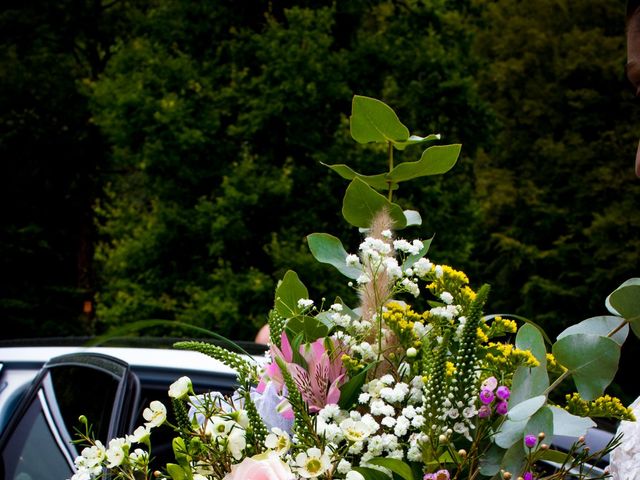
point(38, 444)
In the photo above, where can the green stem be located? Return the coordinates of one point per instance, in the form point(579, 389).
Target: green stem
point(390, 156)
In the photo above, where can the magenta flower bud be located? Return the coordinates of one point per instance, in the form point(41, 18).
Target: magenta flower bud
point(502, 408)
point(503, 393)
point(528, 476)
point(530, 441)
point(429, 476)
point(486, 396)
point(484, 411)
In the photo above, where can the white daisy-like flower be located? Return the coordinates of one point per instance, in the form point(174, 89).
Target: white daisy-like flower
point(116, 452)
point(278, 440)
point(155, 415)
point(236, 442)
point(139, 435)
point(312, 463)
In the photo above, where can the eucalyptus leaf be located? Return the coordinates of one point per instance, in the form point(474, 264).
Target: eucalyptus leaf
point(541, 421)
point(567, 424)
point(625, 300)
point(374, 121)
point(328, 249)
point(413, 217)
point(529, 338)
point(396, 466)
point(379, 182)
point(510, 432)
point(415, 139)
point(288, 292)
point(361, 203)
point(591, 359)
point(513, 460)
point(599, 326)
point(526, 409)
point(371, 474)
point(528, 382)
point(434, 161)
point(490, 462)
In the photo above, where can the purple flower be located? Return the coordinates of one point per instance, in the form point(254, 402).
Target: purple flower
point(484, 411)
point(528, 476)
point(502, 408)
point(503, 393)
point(441, 475)
point(429, 476)
point(530, 441)
point(486, 396)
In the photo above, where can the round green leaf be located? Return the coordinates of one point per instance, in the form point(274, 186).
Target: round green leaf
point(565, 423)
point(591, 359)
point(361, 203)
point(527, 383)
point(374, 121)
point(510, 432)
point(530, 338)
point(328, 249)
point(379, 182)
point(625, 300)
point(541, 421)
point(526, 409)
point(599, 326)
point(434, 161)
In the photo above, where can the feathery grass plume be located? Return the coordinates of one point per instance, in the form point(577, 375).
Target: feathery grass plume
point(465, 379)
point(276, 327)
point(376, 292)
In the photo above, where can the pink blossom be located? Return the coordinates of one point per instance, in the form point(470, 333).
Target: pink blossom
point(261, 467)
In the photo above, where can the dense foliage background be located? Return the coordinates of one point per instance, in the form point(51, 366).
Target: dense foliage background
point(163, 159)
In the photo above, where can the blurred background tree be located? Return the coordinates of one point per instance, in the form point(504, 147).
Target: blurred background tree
point(162, 159)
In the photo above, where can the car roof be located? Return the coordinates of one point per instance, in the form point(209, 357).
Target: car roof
point(136, 357)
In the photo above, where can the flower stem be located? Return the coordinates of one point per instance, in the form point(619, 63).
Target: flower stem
point(390, 156)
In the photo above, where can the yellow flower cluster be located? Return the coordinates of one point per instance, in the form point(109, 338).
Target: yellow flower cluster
point(401, 319)
point(505, 358)
point(482, 335)
point(450, 369)
point(451, 281)
point(606, 406)
point(501, 326)
point(352, 365)
point(553, 366)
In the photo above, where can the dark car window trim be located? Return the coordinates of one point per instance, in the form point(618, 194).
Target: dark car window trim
point(55, 427)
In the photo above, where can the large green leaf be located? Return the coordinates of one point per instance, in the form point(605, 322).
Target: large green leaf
point(361, 203)
point(310, 328)
point(379, 182)
point(396, 466)
point(415, 139)
point(434, 161)
point(530, 338)
point(591, 359)
point(490, 462)
point(599, 326)
point(513, 460)
point(541, 421)
point(288, 292)
point(565, 423)
point(328, 249)
point(510, 432)
point(371, 474)
point(625, 301)
point(374, 121)
point(528, 382)
point(526, 409)
point(350, 391)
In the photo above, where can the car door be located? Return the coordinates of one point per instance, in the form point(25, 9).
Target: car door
point(36, 445)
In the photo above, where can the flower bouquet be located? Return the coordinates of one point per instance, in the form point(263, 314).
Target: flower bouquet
point(382, 390)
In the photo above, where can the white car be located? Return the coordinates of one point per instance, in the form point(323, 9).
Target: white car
point(43, 391)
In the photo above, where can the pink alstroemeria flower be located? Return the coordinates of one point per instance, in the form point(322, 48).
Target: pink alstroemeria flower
point(319, 383)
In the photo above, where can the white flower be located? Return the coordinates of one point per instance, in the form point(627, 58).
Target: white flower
point(393, 269)
point(411, 287)
point(386, 233)
point(388, 422)
point(353, 475)
point(304, 303)
point(139, 435)
point(411, 352)
point(439, 271)
point(352, 260)
point(313, 462)
point(422, 267)
point(354, 431)
point(155, 415)
point(387, 379)
point(364, 278)
point(344, 466)
point(446, 297)
point(116, 452)
point(180, 388)
point(336, 307)
point(278, 440)
point(363, 398)
point(236, 442)
point(402, 426)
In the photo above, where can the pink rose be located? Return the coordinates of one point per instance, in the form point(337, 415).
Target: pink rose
point(261, 467)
